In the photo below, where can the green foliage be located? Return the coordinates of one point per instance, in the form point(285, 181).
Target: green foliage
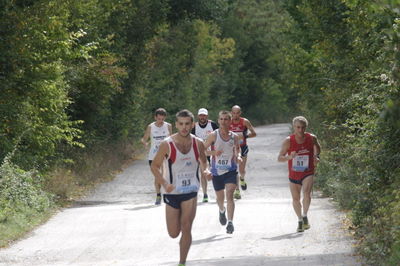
point(345, 66)
point(255, 77)
point(21, 199)
point(183, 63)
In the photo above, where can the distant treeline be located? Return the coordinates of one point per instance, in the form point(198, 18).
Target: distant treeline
point(79, 81)
point(84, 73)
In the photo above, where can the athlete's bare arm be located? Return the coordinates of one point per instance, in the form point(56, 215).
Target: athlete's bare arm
point(282, 157)
point(250, 128)
point(146, 136)
point(156, 166)
point(237, 149)
point(203, 160)
point(209, 141)
point(317, 149)
point(170, 129)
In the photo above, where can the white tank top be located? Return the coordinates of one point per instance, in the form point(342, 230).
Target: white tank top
point(203, 132)
point(182, 170)
point(225, 162)
point(157, 135)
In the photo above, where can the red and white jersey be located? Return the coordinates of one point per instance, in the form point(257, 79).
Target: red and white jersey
point(303, 163)
point(240, 129)
point(182, 169)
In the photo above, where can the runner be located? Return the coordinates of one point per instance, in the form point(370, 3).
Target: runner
point(224, 159)
point(241, 126)
point(202, 128)
point(181, 183)
point(301, 151)
point(157, 132)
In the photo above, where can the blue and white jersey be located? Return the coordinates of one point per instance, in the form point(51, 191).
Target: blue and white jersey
point(225, 162)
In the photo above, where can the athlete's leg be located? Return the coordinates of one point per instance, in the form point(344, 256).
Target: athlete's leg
point(188, 213)
point(307, 187)
point(157, 187)
point(204, 183)
point(173, 221)
point(230, 188)
point(220, 199)
point(242, 167)
point(236, 193)
point(295, 190)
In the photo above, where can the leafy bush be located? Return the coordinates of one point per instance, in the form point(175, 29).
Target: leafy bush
point(22, 201)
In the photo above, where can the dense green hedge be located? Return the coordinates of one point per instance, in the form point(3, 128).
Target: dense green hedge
point(345, 65)
point(22, 201)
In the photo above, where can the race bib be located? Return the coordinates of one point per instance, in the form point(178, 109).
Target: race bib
point(184, 183)
point(300, 163)
point(223, 163)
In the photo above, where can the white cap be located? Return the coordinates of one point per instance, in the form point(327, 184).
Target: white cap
point(202, 111)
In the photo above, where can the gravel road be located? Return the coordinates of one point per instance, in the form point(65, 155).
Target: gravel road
point(117, 224)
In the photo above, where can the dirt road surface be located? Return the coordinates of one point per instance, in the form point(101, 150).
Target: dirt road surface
point(117, 224)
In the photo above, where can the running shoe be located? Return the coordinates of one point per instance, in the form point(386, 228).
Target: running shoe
point(222, 218)
point(243, 184)
point(306, 224)
point(236, 194)
point(229, 228)
point(158, 200)
point(300, 227)
point(205, 198)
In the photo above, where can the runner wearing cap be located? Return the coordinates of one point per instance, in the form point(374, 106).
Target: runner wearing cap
point(202, 128)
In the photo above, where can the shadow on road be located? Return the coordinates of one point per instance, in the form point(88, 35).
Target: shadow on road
point(285, 236)
point(209, 239)
point(138, 208)
point(311, 260)
point(91, 203)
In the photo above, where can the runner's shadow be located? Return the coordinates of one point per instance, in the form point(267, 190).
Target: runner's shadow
point(92, 203)
point(138, 208)
point(208, 239)
point(286, 236)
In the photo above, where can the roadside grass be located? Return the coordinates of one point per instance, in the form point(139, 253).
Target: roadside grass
point(18, 225)
point(29, 199)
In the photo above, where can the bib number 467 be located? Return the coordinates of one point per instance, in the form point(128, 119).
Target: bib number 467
point(223, 162)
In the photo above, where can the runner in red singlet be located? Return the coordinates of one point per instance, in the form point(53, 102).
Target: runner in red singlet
point(301, 151)
point(241, 126)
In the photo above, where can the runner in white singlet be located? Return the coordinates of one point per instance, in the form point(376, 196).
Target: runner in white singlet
point(157, 132)
point(180, 183)
point(202, 128)
point(224, 163)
